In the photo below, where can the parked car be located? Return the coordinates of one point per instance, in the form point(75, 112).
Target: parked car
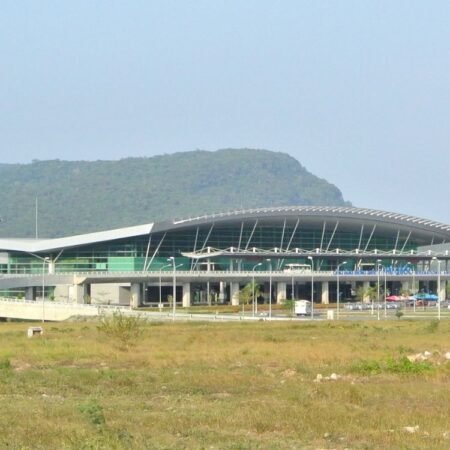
point(392, 305)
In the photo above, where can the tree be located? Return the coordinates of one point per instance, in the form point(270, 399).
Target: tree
point(288, 305)
point(370, 293)
point(247, 292)
point(405, 292)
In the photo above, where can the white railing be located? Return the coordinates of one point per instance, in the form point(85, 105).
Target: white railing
point(243, 273)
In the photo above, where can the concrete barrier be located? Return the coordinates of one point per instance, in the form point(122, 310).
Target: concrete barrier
point(51, 311)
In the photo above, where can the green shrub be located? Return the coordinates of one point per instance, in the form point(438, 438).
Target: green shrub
point(401, 365)
point(5, 363)
point(93, 412)
point(367, 367)
point(433, 326)
point(123, 328)
point(404, 365)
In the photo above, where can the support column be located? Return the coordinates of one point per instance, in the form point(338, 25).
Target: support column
point(77, 293)
point(29, 293)
point(186, 295)
point(221, 292)
point(234, 293)
point(136, 295)
point(443, 292)
point(325, 292)
point(51, 267)
point(62, 293)
point(281, 292)
point(366, 286)
point(405, 286)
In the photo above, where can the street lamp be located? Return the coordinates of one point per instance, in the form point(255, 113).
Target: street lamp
point(385, 293)
point(413, 284)
point(337, 287)
point(312, 286)
point(174, 295)
point(44, 260)
point(270, 288)
point(438, 286)
point(378, 287)
point(255, 307)
point(292, 288)
point(160, 270)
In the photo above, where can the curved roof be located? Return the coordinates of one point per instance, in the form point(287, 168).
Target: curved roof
point(346, 216)
point(42, 245)
point(313, 213)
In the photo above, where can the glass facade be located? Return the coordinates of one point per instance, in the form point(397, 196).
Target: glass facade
point(151, 252)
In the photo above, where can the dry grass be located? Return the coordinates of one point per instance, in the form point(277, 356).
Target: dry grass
point(225, 386)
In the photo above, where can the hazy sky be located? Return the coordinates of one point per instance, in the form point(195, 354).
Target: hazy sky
point(358, 91)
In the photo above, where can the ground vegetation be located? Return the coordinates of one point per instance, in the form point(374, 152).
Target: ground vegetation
point(264, 385)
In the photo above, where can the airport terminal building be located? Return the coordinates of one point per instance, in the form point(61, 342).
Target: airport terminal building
point(290, 252)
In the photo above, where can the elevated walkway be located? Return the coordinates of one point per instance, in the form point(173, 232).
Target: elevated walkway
point(79, 279)
point(11, 281)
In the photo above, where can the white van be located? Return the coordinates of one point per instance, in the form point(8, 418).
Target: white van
point(302, 308)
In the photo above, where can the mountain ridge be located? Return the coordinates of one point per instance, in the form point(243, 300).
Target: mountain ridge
point(84, 196)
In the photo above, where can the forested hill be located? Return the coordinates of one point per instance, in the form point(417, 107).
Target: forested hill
point(80, 196)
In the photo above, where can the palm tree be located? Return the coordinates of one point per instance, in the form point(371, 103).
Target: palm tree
point(247, 292)
point(370, 293)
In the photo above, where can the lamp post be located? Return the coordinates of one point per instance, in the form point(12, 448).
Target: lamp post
point(255, 308)
point(174, 295)
point(312, 286)
point(160, 270)
point(438, 286)
point(385, 293)
point(337, 288)
point(44, 260)
point(413, 284)
point(292, 288)
point(293, 294)
point(270, 288)
point(378, 288)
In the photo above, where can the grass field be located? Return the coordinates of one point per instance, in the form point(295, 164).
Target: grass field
point(227, 386)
